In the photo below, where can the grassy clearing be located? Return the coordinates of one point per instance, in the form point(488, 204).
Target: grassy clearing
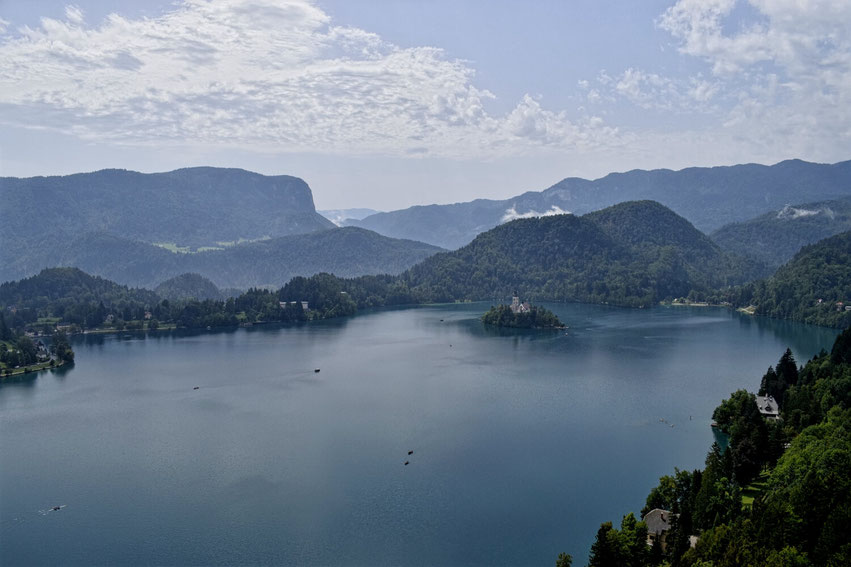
point(753, 491)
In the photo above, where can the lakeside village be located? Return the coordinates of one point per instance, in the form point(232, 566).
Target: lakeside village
point(43, 344)
point(28, 352)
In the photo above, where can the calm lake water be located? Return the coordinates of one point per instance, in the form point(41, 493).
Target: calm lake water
point(523, 441)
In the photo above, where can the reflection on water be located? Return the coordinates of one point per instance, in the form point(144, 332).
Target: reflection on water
point(524, 441)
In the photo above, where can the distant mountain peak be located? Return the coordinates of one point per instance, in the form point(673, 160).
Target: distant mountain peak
point(709, 197)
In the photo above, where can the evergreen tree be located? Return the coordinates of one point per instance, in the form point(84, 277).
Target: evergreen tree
point(606, 551)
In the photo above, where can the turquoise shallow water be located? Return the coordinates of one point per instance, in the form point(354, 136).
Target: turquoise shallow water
point(523, 441)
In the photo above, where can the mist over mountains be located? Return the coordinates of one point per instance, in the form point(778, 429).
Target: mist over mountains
point(775, 237)
point(239, 229)
point(708, 197)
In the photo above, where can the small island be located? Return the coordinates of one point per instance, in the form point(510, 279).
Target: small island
point(521, 316)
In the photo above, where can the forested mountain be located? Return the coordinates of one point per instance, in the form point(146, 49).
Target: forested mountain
point(634, 253)
point(188, 286)
point(347, 252)
point(775, 237)
point(814, 287)
point(191, 207)
point(72, 295)
point(708, 197)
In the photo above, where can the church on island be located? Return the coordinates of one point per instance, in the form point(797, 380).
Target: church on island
point(517, 307)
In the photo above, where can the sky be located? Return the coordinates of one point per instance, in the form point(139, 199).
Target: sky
point(391, 103)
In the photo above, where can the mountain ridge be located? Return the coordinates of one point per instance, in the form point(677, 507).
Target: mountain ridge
point(708, 197)
point(775, 237)
point(348, 252)
point(194, 207)
point(582, 258)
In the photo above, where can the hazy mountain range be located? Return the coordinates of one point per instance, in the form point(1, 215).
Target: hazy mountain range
point(708, 197)
point(347, 252)
point(241, 229)
point(341, 216)
point(634, 254)
point(198, 206)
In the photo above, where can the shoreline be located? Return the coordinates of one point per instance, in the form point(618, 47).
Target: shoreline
point(30, 369)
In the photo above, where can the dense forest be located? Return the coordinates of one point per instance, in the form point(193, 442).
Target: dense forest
point(779, 495)
point(774, 238)
point(633, 254)
point(189, 286)
point(69, 297)
point(814, 287)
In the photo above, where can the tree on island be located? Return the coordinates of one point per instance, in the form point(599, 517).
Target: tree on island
point(531, 318)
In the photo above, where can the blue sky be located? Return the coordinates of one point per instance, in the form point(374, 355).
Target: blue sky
point(387, 104)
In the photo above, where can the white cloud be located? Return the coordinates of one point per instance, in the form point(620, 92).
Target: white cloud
point(266, 75)
point(512, 214)
point(791, 213)
point(779, 77)
point(649, 90)
point(74, 14)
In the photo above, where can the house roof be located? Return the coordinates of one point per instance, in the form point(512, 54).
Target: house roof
point(767, 405)
point(657, 520)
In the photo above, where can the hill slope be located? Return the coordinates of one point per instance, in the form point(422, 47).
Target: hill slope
point(188, 207)
point(69, 287)
point(808, 288)
point(634, 253)
point(347, 252)
point(188, 286)
point(775, 237)
point(708, 197)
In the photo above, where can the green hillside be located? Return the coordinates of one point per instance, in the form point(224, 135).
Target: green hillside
point(810, 287)
point(188, 286)
point(775, 237)
point(635, 254)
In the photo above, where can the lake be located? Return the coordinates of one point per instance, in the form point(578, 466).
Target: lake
point(524, 442)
